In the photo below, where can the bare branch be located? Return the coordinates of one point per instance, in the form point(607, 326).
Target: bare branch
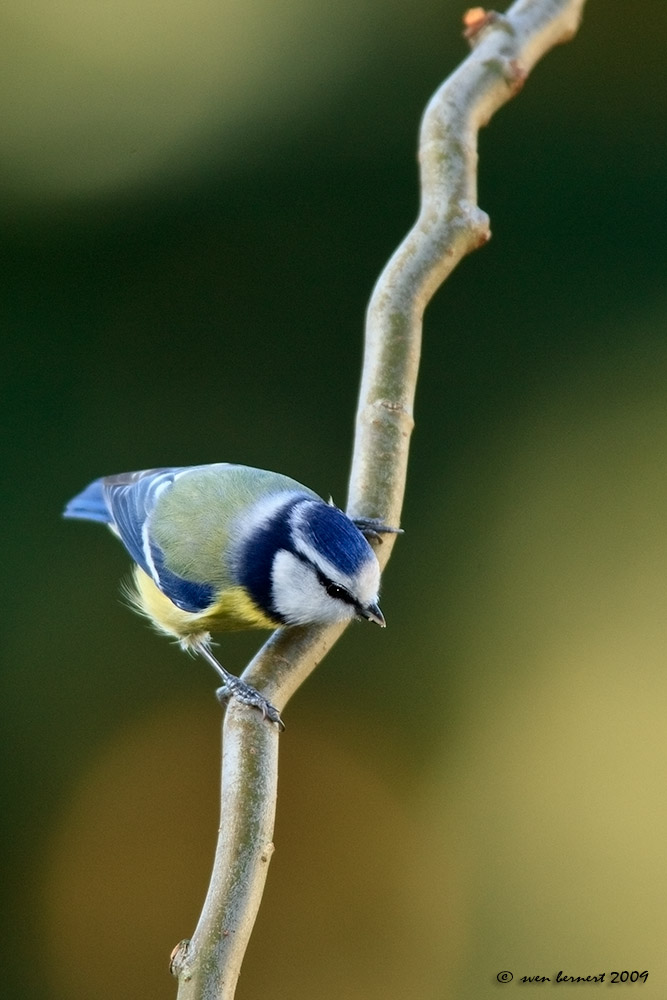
point(449, 225)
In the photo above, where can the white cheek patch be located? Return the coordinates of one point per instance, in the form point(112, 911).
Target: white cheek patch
point(299, 597)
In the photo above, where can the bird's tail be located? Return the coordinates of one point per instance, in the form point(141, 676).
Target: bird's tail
point(89, 505)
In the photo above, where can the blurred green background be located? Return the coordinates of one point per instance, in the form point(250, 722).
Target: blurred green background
point(195, 201)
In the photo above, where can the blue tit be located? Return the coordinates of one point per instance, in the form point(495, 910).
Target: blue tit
point(229, 547)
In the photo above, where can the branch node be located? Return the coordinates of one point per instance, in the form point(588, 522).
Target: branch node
point(391, 406)
point(476, 21)
point(383, 411)
point(510, 70)
point(516, 75)
point(267, 853)
point(474, 225)
point(179, 960)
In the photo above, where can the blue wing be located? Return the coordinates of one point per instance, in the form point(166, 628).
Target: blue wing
point(126, 502)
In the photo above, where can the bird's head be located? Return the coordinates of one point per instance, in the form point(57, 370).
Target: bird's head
point(304, 562)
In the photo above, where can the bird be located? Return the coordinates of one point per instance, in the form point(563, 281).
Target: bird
point(224, 546)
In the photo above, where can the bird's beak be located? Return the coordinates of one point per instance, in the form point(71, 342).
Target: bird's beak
point(373, 614)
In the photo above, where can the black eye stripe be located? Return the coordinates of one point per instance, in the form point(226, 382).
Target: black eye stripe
point(334, 590)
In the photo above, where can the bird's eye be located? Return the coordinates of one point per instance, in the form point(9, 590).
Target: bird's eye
point(335, 591)
point(338, 593)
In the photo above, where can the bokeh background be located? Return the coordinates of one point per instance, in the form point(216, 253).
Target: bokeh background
point(195, 201)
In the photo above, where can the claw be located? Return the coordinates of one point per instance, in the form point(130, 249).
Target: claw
point(234, 687)
point(373, 528)
point(248, 695)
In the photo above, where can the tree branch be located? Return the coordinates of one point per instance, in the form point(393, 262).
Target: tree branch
point(449, 225)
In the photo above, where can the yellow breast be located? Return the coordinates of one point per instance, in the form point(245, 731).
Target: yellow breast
point(234, 609)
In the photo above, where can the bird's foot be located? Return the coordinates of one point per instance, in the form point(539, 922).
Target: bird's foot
point(373, 528)
point(234, 687)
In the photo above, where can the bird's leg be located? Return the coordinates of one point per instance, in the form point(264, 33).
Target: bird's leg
point(234, 687)
point(373, 528)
